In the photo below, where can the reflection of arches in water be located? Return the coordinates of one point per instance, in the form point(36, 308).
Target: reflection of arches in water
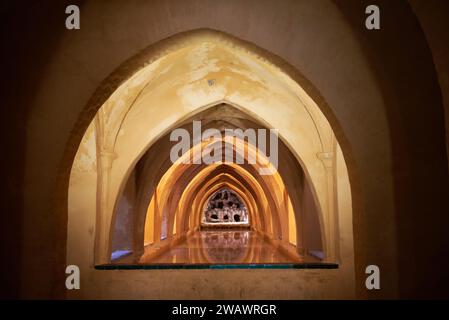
point(225, 206)
point(225, 246)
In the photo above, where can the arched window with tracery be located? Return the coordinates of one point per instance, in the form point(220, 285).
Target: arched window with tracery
point(225, 207)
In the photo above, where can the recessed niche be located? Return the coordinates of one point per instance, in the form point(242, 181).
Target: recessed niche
point(225, 208)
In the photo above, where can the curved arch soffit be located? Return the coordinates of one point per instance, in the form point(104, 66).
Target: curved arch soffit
point(149, 59)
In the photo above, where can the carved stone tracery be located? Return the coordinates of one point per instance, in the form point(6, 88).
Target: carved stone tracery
point(224, 206)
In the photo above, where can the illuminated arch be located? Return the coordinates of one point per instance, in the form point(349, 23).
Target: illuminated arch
point(116, 121)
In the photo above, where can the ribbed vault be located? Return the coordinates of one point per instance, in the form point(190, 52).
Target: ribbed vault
point(147, 204)
point(169, 192)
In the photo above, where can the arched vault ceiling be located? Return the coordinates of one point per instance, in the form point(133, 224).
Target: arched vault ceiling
point(155, 163)
point(190, 79)
point(182, 179)
point(186, 81)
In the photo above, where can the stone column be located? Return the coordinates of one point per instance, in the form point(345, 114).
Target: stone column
point(104, 214)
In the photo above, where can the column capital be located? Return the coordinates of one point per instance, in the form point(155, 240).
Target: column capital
point(107, 157)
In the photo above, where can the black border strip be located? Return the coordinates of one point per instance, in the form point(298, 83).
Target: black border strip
point(309, 265)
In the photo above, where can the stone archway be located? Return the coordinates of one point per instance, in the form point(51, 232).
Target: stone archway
point(311, 139)
point(121, 141)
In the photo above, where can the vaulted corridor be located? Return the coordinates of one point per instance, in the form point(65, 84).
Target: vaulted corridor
point(272, 136)
point(195, 141)
point(191, 163)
